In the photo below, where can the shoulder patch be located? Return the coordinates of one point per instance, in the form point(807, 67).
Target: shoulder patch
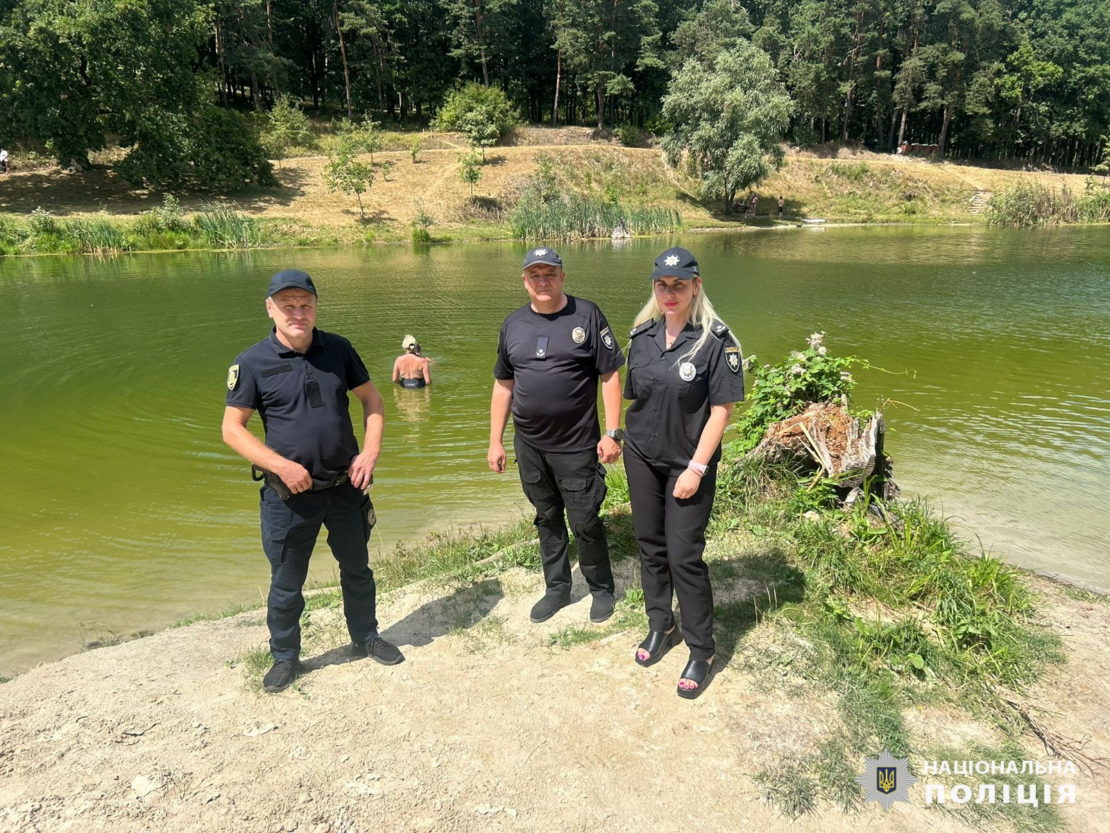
point(720, 329)
point(643, 328)
point(233, 377)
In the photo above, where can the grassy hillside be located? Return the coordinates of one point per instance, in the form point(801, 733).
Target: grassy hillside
point(427, 192)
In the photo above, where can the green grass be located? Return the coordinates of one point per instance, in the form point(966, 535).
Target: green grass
point(1034, 204)
point(222, 226)
point(578, 217)
point(1045, 818)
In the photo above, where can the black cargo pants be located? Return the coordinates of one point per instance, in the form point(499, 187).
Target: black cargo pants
point(289, 532)
point(573, 481)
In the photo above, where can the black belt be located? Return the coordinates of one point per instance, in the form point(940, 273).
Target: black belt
point(278, 485)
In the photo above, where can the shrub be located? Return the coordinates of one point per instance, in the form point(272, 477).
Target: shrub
point(226, 153)
point(43, 222)
point(470, 170)
point(421, 235)
point(214, 150)
point(287, 127)
point(629, 135)
point(783, 390)
point(471, 97)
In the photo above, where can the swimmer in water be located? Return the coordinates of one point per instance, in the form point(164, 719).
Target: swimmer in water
point(411, 369)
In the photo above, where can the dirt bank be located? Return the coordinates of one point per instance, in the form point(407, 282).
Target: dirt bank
point(847, 187)
point(492, 723)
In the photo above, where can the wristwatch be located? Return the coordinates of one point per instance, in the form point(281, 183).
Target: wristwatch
point(616, 434)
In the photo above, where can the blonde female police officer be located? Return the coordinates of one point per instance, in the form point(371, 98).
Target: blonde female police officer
point(684, 375)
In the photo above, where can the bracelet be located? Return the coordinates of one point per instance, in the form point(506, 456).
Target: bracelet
point(697, 468)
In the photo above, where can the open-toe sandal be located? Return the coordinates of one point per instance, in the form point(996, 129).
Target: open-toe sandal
point(697, 670)
point(657, 645)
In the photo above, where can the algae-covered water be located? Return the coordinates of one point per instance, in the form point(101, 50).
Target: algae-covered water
point(124, 511)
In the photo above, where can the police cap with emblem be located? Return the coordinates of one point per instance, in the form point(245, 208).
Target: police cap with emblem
point(676, 262)
point(542, 255)
point(290, 279)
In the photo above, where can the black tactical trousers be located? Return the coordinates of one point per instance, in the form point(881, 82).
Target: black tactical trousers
point(575, 482)
point(289, 531)
point(671, 535)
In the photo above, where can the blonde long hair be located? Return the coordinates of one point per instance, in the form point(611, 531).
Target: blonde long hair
point(702, 316)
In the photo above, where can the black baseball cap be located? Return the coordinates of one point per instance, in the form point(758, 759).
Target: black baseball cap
point(290, 279)
point(676, 262)
point(542, 255)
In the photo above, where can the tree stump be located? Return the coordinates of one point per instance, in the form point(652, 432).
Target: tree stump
point(828, 439)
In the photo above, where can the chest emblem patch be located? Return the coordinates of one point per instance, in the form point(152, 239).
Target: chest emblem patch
point(232, 377)
point(732, 356)
point(687, 371)
point(607, 338)
point(579, 335)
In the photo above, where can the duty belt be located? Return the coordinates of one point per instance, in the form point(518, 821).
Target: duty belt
point(278, 485)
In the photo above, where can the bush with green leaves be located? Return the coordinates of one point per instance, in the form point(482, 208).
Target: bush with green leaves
point(780, 391)
point(462, 101)
point(286, 128)
point(480, 130)
point(629, 135)
point(214, 150)
point(470, 169)
point(346, 173)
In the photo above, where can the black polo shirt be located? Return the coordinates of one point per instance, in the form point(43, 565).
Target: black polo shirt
point(302, 399)
point(555, 362)
point(672, 396)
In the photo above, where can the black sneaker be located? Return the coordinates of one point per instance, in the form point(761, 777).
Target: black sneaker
point(380, 651)
point(280, 676)
point(547, 607)
point(601, 608)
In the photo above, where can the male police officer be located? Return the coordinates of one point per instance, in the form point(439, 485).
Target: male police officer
point(298, 380)
point(550, 355)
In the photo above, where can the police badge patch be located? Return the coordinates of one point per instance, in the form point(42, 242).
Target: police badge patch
point(732, 357)
point(687, 371)
point(886, 779)
point(579, 335)
point(232, 377)
point(607, 338)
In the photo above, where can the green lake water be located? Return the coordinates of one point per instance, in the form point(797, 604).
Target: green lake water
point(123, 510)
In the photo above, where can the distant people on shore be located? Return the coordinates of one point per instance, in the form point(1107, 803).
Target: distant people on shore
point(755, 205)
point(3, 160)
point(782, 203)
point(411, 369)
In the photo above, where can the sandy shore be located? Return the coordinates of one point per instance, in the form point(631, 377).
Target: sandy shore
point(492, 723)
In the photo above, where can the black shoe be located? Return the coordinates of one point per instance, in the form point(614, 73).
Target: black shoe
point(380, 651)
point(601, 608)
point(280, 676)
point(697, 671)
point(547, 607)
point(656, 645)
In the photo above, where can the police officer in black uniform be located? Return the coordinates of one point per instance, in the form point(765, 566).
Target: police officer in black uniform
point(684, 374)
point(298, 380)
point(550, 355)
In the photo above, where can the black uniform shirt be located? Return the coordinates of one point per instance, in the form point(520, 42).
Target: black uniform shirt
point(672, 396)
point(302, 399)
point(555, 362)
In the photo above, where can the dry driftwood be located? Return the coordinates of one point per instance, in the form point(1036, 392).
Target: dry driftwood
point(836, 444)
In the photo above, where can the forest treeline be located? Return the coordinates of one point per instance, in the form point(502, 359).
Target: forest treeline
point(1016, 79)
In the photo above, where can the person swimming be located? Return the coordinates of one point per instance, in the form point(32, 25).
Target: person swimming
point(411, 369)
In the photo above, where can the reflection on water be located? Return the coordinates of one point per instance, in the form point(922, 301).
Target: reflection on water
point(125, 510)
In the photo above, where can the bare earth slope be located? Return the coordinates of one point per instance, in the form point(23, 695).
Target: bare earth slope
point(852, 186)
point(487, 726)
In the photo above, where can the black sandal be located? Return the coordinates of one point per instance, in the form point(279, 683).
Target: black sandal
point(657, 644)
point(697, 670)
